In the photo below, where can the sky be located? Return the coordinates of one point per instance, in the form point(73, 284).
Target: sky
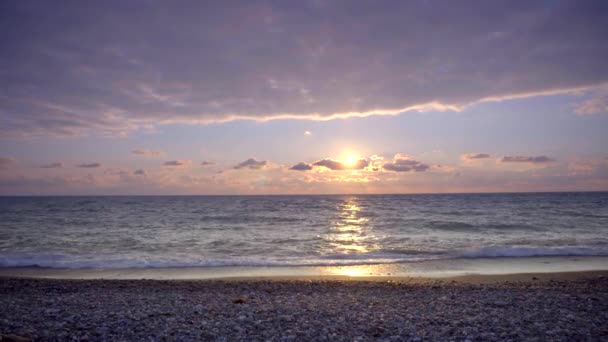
point(302, 97)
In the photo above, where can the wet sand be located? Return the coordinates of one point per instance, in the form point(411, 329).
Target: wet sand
point(423, 269)
point(534, 307)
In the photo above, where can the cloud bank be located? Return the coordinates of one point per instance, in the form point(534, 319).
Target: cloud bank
point(118, 68)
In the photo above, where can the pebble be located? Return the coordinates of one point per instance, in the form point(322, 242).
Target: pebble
point(320, 310)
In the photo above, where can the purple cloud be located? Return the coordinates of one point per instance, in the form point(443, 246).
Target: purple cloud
point(472, 156)
point(6, 162)
point(251, 164)
point(336, 165)
point(57, 165)
point(301, 167)
point(527, 159)
point(207, 163)
point(117, 74)
point(330, 164)
point(139, 172)
point(177, 163)
point(89, 166)
point(403, 163)
point(144, 152)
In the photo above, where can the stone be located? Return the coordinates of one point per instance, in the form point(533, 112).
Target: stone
point(14, 338)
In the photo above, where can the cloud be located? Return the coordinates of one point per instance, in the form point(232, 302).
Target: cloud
point(252, 164)
point(598, 103)
point(116, 172)
point(336, 165)
point(472, 156)
point(527, 159)
point(115, 70)
point(144, 152)
point(177, 163)
point(207, 163)
point(330, 164)
point(139, 172)
point(57, 165)
point(403, 163)
point(301, 167)
point(89, 166)
point(6, 162)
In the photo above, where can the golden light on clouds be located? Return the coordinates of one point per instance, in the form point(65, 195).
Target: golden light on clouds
point(350, 160)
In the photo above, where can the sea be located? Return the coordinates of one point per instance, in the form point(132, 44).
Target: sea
point(266, 235)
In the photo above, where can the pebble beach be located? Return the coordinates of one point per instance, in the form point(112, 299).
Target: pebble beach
point(519, 309)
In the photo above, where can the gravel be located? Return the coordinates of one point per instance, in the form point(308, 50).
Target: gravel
point(300, 310)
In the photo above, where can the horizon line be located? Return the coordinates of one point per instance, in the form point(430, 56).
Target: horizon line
point(328, 194)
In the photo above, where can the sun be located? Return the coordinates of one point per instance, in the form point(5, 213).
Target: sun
point(350, 160)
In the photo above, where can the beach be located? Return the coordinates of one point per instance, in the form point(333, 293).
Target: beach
point(533, 307)
point(436, 267)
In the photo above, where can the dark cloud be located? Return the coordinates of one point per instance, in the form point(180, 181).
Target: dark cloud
point(115, 172)
point(470, 156)
point(207, 163)
point(527, 159)
point(360, 164)
point(139, 172)
point(251, 164)
point(405, 164)
point(112, 67)
point(177, 163)
point(330, 164)
point(144, 152)
point(336, 165)
point(6, 162)
point(58, 165)
point(89, 166)
point(301, 167)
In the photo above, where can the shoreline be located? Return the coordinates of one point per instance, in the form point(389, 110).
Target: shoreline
point(471, 279)
point(434, 269)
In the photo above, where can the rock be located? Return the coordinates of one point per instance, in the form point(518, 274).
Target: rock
point(500, 303)
point(241, 300)
point(198, 309)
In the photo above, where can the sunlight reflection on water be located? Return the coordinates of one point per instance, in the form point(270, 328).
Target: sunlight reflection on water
point(351, 232)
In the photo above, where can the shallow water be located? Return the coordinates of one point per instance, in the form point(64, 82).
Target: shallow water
point(202, 231)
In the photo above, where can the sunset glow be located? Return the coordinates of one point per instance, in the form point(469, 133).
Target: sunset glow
point(354, 103)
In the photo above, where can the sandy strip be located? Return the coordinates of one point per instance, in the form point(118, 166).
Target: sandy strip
point(535, 307)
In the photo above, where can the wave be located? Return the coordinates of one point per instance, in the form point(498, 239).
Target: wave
point(64, 261)
point(497, 252)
